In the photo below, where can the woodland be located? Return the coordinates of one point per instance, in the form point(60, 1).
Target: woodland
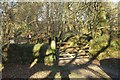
point(60, 40)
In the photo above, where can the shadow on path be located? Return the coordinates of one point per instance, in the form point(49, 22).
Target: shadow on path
point(111, 67)
point(64, 70)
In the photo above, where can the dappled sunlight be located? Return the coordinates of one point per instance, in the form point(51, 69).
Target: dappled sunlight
point(93, 71)
point(33, 63)
point(59, 40)
point(1, 67)
point(36, 49)
point(40, 74)
point(97, 71)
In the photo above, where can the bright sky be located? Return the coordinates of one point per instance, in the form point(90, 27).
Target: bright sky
point(115, 0)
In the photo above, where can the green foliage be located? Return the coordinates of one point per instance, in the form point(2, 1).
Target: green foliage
point(100, 42)
point(66, 36)
point(25, 53)
point(97, 43)
point(4, 51)
point(115, 45)
point(69, 18)
point(49, 60)
point(44, 53)
point(112, 51)
point(36, 49)
point(24, 26)
point(49, 51)
point(102, 16)
point(74, 40)
point(4, 56)
point(53, 45)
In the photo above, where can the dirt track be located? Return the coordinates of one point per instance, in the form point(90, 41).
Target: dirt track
point(94, 70)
